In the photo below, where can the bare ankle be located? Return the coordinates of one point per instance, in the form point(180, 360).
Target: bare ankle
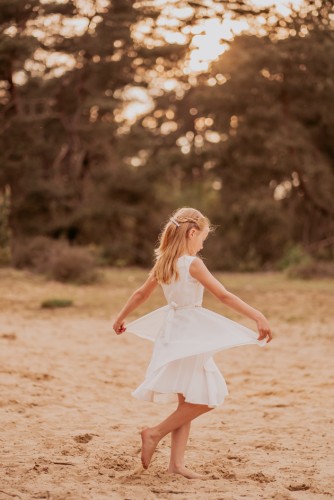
point(184, 471)
point(154, 433)
point(176, 465)
point(157, 433)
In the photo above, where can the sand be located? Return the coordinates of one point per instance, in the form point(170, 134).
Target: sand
point(70, 427)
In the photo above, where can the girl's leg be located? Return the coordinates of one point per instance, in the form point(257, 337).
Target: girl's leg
point(179, 438)
point(151, 436)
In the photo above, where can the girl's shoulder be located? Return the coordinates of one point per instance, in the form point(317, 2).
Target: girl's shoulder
point(196, 260)
point(197, 266)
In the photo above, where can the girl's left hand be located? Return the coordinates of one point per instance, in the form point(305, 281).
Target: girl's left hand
point(264, 329)
point(119, 327)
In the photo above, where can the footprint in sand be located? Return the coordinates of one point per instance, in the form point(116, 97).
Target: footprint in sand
point(215, 472)
point(83, 438)
point(38, 377)
point(40, 469)
point(298, 487)
point(8, 336)
point(269, 446)
point(236, 457)
point(261, 478)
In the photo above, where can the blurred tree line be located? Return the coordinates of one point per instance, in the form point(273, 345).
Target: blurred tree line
point(250, 140)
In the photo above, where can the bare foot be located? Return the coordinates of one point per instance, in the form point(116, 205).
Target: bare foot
point(149, 444)
point(189, 474)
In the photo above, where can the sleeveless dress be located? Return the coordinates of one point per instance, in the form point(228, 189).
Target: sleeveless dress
point(186, 336)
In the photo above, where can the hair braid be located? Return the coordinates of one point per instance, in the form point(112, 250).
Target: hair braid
point(173, 241)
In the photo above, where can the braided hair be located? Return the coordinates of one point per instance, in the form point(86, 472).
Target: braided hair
point(173, 242)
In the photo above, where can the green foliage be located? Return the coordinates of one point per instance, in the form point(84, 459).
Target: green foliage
point(56, 303)
point(294, 256)
point(268, 183)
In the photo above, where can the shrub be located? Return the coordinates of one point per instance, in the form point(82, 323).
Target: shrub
point(72, 264)
point(4, 256)
point(32, 253)
point(56, 259)
point(312, 269)
point(5, 232)
point(56, 303)
point(294, 256)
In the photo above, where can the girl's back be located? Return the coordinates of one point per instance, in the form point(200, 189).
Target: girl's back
point(185, 291)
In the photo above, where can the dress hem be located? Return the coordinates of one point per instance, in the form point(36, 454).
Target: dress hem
point(151, 400)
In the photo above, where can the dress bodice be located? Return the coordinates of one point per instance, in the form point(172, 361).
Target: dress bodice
point(185, 291)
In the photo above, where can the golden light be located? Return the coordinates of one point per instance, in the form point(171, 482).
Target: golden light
point(170, 84)
point(209, 43)
point(282, 7)
point(209, 39)
point(137, 102)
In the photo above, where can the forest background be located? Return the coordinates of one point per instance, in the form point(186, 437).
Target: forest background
point(115, 113)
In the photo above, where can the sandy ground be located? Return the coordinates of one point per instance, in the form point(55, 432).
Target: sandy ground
point(70, 428)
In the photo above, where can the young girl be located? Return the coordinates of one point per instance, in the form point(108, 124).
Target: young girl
point(185, 335)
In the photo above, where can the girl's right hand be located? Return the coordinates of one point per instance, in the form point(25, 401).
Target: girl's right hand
point(264, 329)
point(119, 326)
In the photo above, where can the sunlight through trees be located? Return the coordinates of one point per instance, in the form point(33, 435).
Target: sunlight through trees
point(113, 113)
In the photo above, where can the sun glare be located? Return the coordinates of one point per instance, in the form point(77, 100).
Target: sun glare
point(283, 7)
point(211, 40)
point(137, 102)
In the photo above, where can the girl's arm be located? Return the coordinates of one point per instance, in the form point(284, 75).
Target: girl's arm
point(138, 297)
point(200, 272)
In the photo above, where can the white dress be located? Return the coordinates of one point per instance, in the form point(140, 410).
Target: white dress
point(186, 336)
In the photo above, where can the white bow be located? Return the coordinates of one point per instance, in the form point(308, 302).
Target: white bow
point(167, 326)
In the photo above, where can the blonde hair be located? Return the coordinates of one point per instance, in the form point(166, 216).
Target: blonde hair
point(173, 242)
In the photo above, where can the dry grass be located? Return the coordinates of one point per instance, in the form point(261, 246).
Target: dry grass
point(279, 297)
